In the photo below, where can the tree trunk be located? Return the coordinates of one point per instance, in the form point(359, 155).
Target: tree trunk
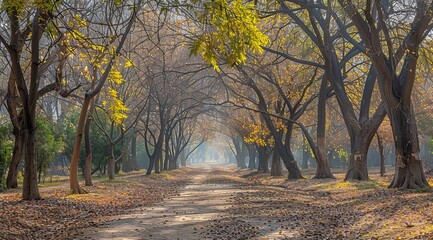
point(240, 159)
point(263, 160)
point(172, 163)
point(125, 164)
point(252, 153)
point(323, 169)
point(87, 143)
point(183, 158)
point(132, 162)
point(158, 164)
point(12, 178)
point(304, 152)
point(382, 156)
point(240, 152)
point(409, 172)
point(111, 163)
point(30, 184)
point(290, 162)
point(358, 169)
point(155, 157)
point(276, 165)
point(166, 162)
point(39, 174)
point(88, 170)
point(73, 169)
point(88, 147)
point(118, 164)
point(16, 120)
point(150, 167)
point(167, 156)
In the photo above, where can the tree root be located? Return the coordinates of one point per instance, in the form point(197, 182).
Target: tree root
point(409, 184)
point(80, 190)
point(355, 176)
point(324, 176)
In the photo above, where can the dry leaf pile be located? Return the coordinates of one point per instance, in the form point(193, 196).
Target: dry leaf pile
point(59, 214)
point(275, 208)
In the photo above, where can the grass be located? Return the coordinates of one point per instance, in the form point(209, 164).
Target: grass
point(51, 183)
point(424, 190)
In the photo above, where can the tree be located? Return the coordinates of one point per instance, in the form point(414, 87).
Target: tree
point(24, 121)
point(396, 68)
point(90, 94)
point(320, 31)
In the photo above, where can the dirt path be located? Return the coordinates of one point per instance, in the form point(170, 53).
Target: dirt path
point(186, 216)
point(226, 203)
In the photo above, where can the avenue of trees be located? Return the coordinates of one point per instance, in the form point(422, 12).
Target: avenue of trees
point(99, 87)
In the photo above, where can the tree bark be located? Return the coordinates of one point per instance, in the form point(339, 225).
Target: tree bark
point(133, 165)
point(172, 163)
point(87, 142)
point(12, 177)
point(88, 147)
point(357, 169)
point(111, 163)
point(167, 149)
point(323, 169)
point(240, 160)
point(276, 165)
point(240, 152)
point(30, 184)
point(73, 168)
point(150, 167)
point(382, 156)
point(291, 164)
point(252, 153)
point(158, 163)
point(408, 168)
point(304, 152)
point(183, 157)
point(263, 159)
point(156, 156)
point(166, 162)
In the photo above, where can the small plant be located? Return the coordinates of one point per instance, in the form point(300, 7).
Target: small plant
point(424, 190)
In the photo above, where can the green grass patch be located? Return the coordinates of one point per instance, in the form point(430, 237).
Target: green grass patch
point(50, 184)
point(85, 196)
point(424, 190)
point(370, 184)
